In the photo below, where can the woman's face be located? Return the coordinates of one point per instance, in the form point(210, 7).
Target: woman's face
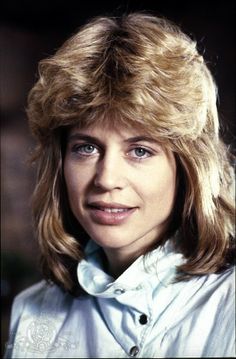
point(121, 186)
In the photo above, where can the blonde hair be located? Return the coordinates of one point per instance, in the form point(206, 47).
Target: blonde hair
point(136, 70)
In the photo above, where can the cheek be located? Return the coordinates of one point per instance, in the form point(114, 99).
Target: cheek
point(72, 181)
point(159, 192)
point(163, 190)
point(77, 181)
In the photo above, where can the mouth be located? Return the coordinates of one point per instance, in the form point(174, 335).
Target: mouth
point(112, 210)
point(109, 213)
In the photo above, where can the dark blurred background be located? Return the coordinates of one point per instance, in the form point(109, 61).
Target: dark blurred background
point(32, 30)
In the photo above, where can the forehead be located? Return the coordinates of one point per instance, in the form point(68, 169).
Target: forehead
point(105, 130)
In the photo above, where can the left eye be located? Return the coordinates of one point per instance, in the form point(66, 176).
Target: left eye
point(140, 152)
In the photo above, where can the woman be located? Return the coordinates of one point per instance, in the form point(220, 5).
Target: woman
point(133, 206)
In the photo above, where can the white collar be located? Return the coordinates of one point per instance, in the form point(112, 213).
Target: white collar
point(160, 263)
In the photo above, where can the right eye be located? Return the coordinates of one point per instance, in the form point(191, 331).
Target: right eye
point(85, 149)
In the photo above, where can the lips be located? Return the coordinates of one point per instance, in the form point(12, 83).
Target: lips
point(109, 213)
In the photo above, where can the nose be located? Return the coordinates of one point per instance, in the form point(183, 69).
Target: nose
point(109, 174)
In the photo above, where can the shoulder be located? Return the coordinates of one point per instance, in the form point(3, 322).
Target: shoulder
point(32, 292)
point(42, 305)
point(38, 289)
point(202, 311)
point(218, 310)
point(221, 283)
point(219, 286)
point(40, 297)
point(36, 293)
point(213, 299)
point(207, 297)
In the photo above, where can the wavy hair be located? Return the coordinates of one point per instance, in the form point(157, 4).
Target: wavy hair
point(135, 70)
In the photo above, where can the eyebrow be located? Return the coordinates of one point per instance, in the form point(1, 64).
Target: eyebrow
point(140, 139)
point(80, 136)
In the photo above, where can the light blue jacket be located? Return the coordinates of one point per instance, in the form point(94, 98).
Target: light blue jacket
point(141, 314)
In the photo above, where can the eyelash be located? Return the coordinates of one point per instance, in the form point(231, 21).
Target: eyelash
point(80, 151)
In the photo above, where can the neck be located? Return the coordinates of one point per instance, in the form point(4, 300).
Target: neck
point(117, 262)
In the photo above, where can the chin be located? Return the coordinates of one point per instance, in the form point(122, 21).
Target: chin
point(109, 239)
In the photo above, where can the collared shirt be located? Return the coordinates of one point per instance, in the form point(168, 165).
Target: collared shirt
point(142, 313)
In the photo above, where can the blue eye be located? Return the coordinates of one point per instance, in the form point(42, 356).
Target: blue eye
point(85, 149)
point(140, 152)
